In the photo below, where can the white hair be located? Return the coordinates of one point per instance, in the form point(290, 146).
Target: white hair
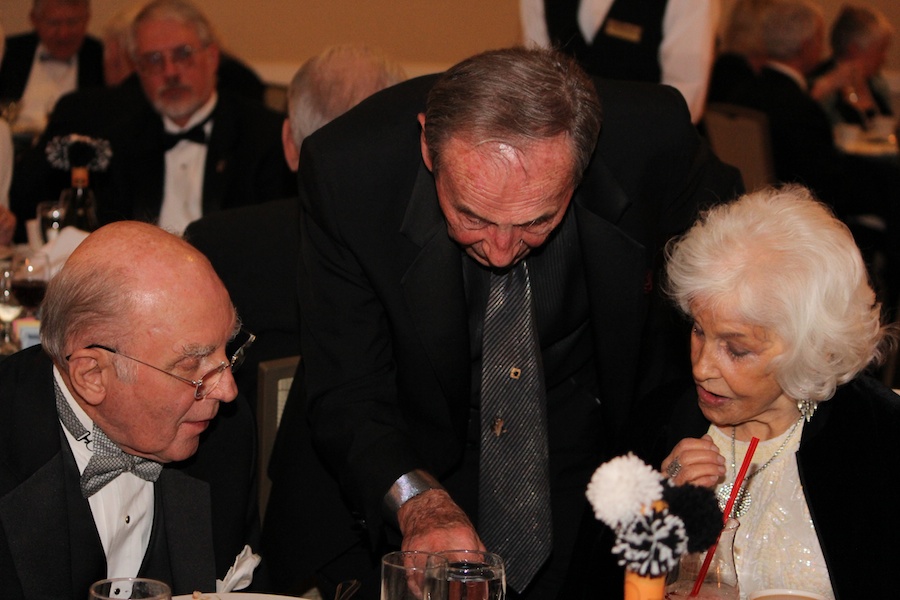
point(787, 25)
point(781, 260)
point(333, 82)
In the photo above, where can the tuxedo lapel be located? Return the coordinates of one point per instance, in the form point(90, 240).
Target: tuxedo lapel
point(141, 167)
point(184, 518)
point(615, 269)
point(35, 514)
point(433, 289)
point(218, 155)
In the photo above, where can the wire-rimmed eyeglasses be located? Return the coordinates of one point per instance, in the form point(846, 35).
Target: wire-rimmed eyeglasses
point(154, 63)
point(206, 384)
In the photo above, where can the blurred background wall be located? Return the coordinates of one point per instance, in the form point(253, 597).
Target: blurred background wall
point(276, 36)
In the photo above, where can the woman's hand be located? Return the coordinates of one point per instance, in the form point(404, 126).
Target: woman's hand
point(695, 461)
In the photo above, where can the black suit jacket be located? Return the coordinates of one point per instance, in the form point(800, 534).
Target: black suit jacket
point(16, 66)
point(206, 506)
point(384, 325)
point(244, 162)
point(256, 251)
point(840, 481)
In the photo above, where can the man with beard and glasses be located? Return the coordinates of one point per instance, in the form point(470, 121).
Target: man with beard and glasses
point(181, 148)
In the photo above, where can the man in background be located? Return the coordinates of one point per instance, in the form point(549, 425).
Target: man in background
point(181, 149)
point(58, 57)
point(260, 272)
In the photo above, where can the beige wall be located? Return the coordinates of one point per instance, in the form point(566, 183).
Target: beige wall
point(278, 35)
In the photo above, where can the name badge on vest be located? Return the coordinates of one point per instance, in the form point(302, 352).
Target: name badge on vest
point(630, 32)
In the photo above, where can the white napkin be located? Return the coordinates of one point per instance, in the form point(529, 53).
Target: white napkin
point(240, 575)
point(59, 248)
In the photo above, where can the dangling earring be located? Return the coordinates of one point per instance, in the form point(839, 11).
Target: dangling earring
point(807, 408)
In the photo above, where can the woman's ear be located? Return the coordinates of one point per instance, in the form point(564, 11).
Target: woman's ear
point(90, 370)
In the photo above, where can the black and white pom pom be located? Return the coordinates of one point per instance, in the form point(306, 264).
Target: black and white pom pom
point(699, 509)
point(652, 544)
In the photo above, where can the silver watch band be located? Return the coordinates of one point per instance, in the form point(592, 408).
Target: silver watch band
point(408, 486)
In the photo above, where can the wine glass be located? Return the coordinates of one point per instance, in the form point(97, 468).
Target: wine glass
point(10, 308)
point(413, 575)
point(31, 273)
point(475, 575)
point(129, 587)
point(51, 216)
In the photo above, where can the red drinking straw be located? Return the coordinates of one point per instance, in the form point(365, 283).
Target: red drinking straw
point(738, 482)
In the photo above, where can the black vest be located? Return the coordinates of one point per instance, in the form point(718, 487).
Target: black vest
point(625, 47)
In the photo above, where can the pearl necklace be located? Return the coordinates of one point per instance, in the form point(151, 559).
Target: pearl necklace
point(744, 498)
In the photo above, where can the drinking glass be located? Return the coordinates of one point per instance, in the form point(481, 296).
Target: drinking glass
point(130, 587)
point(413, 575)
point(475, 575)
point(31, 273)
point(720, 581)
point(51, 216)
point(10, 308)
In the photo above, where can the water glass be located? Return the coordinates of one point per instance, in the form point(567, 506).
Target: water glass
point(50, 215)
point(130, 587)
point(413, 575)
point(475, 575)
point(10, 309)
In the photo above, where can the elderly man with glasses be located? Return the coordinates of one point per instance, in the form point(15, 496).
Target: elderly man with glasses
point(124, 447)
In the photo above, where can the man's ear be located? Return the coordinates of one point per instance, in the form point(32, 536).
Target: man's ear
point(291, 151)
point(90, 374)
point(426, 156)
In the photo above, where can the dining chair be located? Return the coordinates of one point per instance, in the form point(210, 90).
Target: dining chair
point(274, 383)
point(740, 137)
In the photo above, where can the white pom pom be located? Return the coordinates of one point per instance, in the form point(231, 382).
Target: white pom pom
point(621, 487)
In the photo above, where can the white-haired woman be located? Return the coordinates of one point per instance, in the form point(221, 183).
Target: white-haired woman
point(784, 324)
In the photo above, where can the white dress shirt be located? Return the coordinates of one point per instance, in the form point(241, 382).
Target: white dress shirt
point(686, 53)
point(185, 164)
point(49, 79)
point(123, 509)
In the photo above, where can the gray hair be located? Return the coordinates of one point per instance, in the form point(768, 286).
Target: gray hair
point(788, 25)
point(779, 259)
point(333, 82)
point(85, 300)
point(517, 96)
point(860, 25)
point(743, 34)
point(180, 11)
point(38, 5)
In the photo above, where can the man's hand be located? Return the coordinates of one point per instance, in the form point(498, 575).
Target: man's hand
point(7, 226)
point(432, 522)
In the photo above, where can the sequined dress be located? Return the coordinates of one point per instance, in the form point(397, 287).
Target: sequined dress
point(776, 545)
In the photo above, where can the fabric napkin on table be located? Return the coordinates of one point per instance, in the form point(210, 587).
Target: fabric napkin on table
point(59, 249)
point(240, 575)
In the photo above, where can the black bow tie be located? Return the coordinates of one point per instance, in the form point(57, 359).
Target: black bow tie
point(197, 134)
point(46, 57)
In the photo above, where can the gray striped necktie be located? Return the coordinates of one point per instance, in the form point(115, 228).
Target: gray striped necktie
point(108, 461)
point(514, 483)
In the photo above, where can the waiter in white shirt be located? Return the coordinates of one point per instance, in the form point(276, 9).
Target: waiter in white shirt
point(670, 42)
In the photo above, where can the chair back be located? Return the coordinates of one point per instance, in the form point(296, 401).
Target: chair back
point(740, 137)
point(275, 379)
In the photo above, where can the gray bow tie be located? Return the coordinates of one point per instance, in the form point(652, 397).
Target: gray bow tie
point(108, 460)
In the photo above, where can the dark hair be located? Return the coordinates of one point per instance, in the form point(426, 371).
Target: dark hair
point(516, 95)
point(857, 24)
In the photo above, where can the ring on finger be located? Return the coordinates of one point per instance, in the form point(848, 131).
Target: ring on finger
point(674, 468)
